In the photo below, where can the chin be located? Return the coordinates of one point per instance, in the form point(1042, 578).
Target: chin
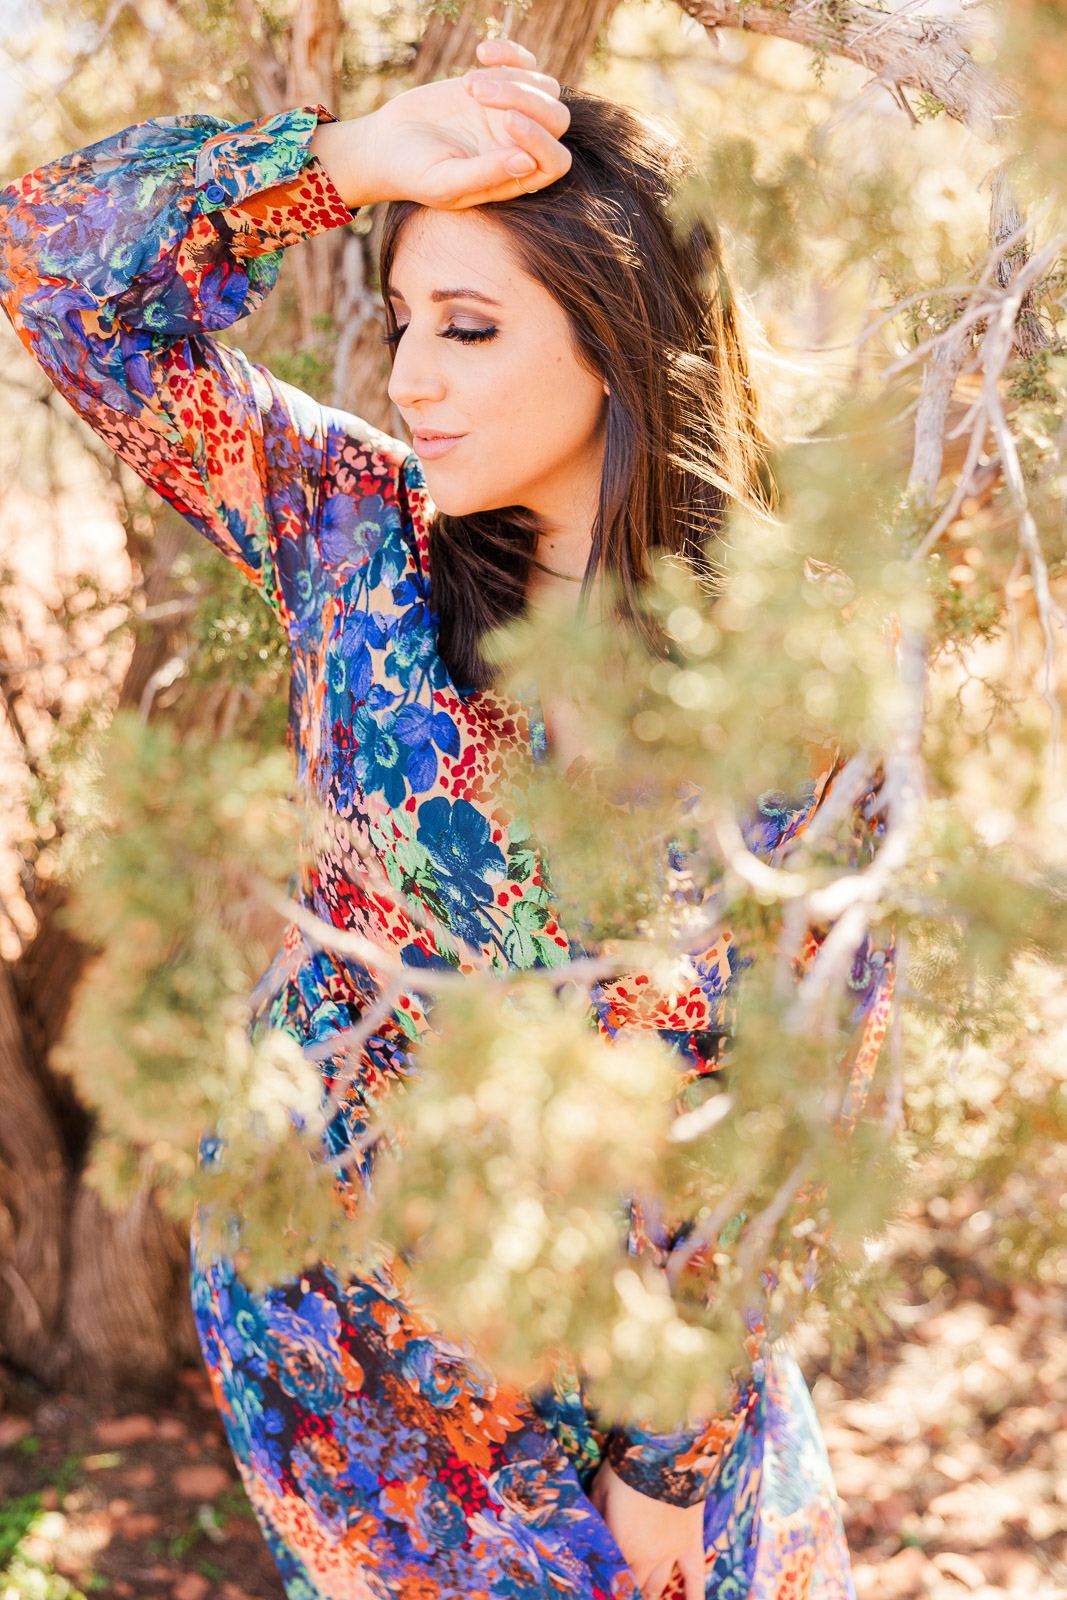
point(454, 499)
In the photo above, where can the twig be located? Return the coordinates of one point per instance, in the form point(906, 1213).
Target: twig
point(424, 980)
point(760, 1230)
point(996, 350)
point(925, 53)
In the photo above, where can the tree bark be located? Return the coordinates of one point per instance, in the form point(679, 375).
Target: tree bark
point(311, 78)
point(89, 1298)
point(34, 1200)
point(928, 54)
point(560, 34)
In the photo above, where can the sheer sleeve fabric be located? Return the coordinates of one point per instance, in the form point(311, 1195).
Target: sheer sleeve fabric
point(687, 1466)
point(117, 264)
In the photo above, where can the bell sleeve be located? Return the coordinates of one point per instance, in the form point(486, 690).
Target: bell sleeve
point(117, 265)
point(685, 1467)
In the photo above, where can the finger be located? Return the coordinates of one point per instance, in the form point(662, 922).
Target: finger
point(536, 80)
point(475, 180)
point(694, 1572)
point(654, 1584)
point(505, 50)
point(552, 158)
point(512, 94)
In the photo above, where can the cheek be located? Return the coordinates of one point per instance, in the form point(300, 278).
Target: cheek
point(541, 399)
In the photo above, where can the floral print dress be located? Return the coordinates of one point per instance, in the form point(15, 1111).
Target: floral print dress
point(381, 1458)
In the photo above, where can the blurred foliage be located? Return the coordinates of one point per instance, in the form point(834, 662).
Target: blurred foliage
point(509, 1159)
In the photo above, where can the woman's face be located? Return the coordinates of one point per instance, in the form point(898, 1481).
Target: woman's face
point(487, 354)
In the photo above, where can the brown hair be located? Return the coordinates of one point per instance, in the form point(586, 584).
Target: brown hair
point(653, 314)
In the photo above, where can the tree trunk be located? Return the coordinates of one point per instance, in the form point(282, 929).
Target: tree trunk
point(560, 34)
point(91, 1299)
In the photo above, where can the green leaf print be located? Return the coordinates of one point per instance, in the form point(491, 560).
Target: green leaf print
point(520, 948)
point(551, 954)
point(529, 914)
point(521, 863)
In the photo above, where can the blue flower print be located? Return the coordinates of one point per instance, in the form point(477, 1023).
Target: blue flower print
point(516, 1579)
point(305, 1366)
point(420, 729)
point(387, 564)
point(351, 667)
point(764, 830)
point(247, 1335)
point(439, 1378)
point(413, 649)
point(380, 761)
point(439, 1518)
point(456, 837)
point(300, 576)
point(331, 1498)
point(379, 1447)
point(222, 295)
point(775, 818)
point(268, 1455)
point(351, 534)
point(536, 1489)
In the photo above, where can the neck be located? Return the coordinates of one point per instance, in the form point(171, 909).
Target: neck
point(558, 564)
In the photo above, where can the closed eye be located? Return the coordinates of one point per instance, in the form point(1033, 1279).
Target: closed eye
point(464, 335)
point(470, 335)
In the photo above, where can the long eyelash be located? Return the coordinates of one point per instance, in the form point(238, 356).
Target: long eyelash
point(469, 335)
point(464, 335)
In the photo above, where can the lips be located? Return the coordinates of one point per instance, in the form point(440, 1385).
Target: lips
point(428, 443)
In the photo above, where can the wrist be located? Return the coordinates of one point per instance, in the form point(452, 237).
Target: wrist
point(347, 152)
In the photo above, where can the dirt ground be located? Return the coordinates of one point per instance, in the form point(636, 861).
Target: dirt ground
point(949, 1443)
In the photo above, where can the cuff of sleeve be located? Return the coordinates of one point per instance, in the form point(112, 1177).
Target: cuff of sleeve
point(657, 1464)
point(263, 186)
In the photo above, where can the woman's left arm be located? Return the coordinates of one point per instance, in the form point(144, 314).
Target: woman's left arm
point(649, 1478)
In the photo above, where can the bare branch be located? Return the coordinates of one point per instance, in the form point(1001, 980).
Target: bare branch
point(423, 980)
point(997, 348)
point(925, 53)
point(760, 1230)
point(705, 1232)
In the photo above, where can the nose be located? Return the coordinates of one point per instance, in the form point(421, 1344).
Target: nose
point(415, 379)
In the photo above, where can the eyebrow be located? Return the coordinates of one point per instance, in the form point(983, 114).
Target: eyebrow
point(437, 295)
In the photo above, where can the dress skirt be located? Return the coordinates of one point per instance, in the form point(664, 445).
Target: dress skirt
point(382, 1460)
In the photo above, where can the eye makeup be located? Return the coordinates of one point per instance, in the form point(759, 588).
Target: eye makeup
point(464, 335)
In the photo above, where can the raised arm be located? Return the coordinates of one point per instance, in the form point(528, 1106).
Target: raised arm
point(118, 263)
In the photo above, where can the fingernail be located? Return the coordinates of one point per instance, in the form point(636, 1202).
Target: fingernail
point(517, 120)
point(486, 86)
point(521, 164)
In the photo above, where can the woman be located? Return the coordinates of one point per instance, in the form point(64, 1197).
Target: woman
point(576, 391)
